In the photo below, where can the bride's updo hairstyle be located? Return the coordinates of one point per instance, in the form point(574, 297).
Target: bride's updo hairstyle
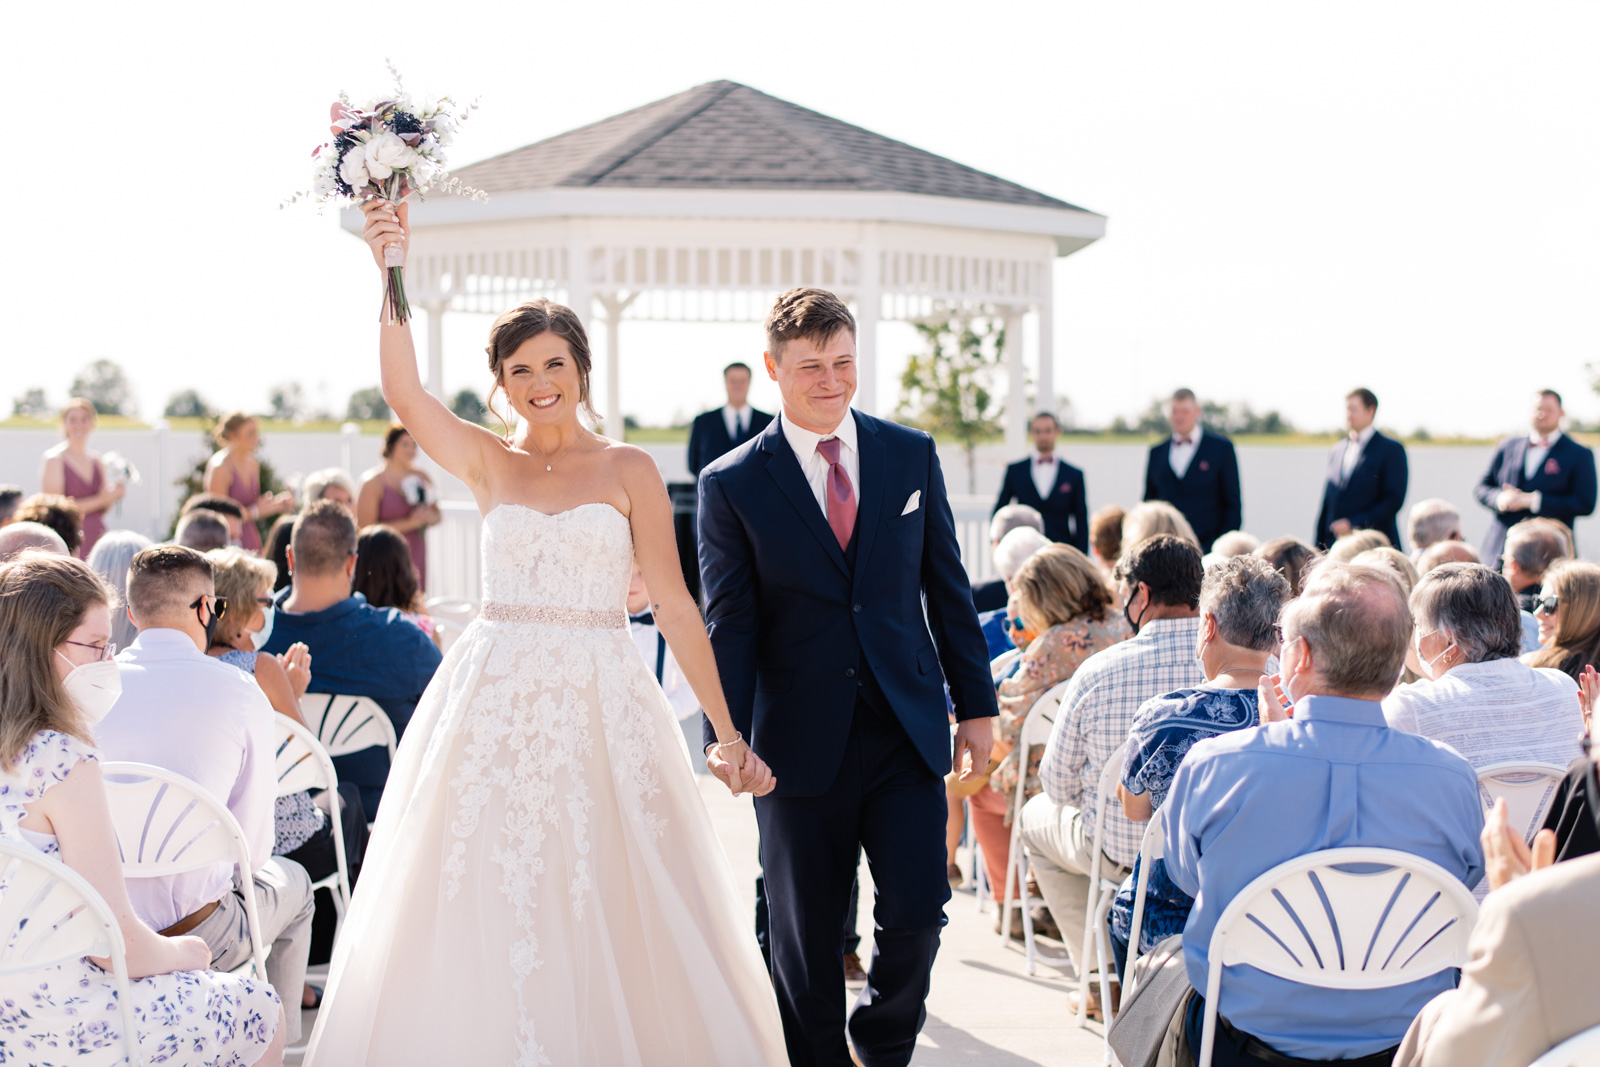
point(529, 320)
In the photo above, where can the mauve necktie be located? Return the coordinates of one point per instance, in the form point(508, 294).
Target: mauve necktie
point(841, 494)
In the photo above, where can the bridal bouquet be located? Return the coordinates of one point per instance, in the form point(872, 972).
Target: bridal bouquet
point(384, 149)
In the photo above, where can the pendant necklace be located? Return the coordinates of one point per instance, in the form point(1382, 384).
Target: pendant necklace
point(549, 463)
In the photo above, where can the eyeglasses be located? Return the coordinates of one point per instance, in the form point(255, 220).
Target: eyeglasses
point(1546, 605)
point(217, 605)
point(107, 650)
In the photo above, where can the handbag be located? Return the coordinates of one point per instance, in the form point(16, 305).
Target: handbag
point(1156, 988)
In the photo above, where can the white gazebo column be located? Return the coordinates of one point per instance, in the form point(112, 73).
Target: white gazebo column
point(436, 309)
point(869, 305)
point(614, 304)
point(1017, 379)
point(1047, 368)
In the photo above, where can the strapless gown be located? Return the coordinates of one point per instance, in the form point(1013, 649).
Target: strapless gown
point(549, 890)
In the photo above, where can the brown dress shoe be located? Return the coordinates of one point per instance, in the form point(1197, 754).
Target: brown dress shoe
point(1096, 1012)
point(854, 976)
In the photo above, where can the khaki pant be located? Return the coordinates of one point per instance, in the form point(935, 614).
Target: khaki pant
point(1059, 854)
point(285, 906)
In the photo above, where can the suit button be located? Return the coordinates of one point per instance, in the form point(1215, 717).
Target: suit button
point(856, 608)
point(849, 672)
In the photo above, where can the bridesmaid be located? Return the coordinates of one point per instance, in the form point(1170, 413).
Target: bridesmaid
point(395, 494)
point(73, 469)
point(234, 472)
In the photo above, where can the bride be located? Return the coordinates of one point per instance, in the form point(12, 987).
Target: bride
point(546, 888)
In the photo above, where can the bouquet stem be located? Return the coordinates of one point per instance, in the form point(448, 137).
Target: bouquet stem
point(396, 309)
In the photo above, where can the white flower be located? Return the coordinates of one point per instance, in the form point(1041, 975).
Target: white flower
point(353, 169)
point(387, 153)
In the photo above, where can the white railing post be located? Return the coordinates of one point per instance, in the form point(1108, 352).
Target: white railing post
point(349, 434)
point(159, 480)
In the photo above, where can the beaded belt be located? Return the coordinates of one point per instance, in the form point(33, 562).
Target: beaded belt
point(550, 616)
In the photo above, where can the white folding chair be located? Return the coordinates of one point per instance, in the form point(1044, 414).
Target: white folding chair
point(346, 724)
point(303, 764)
point(455, 609)
point(1002, 663)
point(1527, 787)
point(1036, 729)
point(50, 915)
point(1151, 849)
point(449, 633)
point(166, 824)
point(1102, 891)
point(1580, 1050)
point(1314, 921)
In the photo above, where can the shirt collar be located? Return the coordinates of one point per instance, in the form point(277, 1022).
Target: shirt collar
point(736, 410)
point(1157, 629)
point(343, 607)
point(1340, 709)
point(1193, 435)
point(804, 442)
point(1365, 435)
point(1555, 435)
point(163, 642)
point(1050, 456)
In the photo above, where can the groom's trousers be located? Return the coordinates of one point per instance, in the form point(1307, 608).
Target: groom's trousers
point(886, 802)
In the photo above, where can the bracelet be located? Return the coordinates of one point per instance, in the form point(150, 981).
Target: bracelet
point(737, 739)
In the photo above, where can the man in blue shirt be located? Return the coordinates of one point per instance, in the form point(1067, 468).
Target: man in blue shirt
point(356, 649)
point(1332, 776)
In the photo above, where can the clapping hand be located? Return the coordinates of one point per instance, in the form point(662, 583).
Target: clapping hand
point(1588, 694)
point(1271, 706)
point(296, 663)
point(1506, 855)
point(740, 769)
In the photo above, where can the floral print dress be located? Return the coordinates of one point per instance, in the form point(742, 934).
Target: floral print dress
point(69, 1015)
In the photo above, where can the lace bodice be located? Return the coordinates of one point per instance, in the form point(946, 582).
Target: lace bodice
point(576, 560)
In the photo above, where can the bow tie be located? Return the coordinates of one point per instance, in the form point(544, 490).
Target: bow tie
point(1541, 442)
point(1354, 436)
point(1044, 460)
point(644, 618)
point(1185, 441)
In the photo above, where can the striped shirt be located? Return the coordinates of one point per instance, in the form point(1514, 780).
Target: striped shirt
point(1097, 712)
point(1494, 712)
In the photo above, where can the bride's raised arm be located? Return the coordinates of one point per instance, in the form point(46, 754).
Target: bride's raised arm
point(453, 443)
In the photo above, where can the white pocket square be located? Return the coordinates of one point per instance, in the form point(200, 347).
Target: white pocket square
point(914, 503)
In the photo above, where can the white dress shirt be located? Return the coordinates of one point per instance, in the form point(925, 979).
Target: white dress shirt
point(1538, 449)
point(1044, 474)
point(1181, 455)
point(1353, 450)
point(196, 716)
point(736, 420)
point(815, 468)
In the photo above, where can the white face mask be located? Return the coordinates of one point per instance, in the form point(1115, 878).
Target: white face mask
point(258, 639)
point(1427, 664)
point(94, 687)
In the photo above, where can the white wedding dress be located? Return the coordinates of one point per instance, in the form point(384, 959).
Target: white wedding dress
point(544, 886)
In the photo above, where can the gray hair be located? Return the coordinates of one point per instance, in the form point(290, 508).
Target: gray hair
point(1151, 518)
point(317, 483)
point(1245, 594)
point(1356, 542)
point(1354, 619)
point(110, 558)
point(201, 530)
point(1431, 521)
point(1235, 543)
point(1013, 517)
point(1014, 550)
point(1442, 552)
point(1474, 606)
point(1535, 544)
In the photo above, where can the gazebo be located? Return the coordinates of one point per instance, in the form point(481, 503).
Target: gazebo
point(702, 207)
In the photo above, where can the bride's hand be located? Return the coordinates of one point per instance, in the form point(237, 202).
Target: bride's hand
point(384, 227)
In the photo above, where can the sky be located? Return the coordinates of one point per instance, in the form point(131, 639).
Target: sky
point(1302, 198)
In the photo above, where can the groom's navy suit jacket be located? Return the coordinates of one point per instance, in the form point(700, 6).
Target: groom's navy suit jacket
point(797, 623)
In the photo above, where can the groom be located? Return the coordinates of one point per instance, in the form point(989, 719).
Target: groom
point(839, 610)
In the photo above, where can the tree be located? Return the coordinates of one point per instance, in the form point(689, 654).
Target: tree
point(469, 405)
point(287, 401)
point(188, 404)
point(30, 405)
point(1232, 419)
point(946, 390)
point(367, 403)
point(104, 385)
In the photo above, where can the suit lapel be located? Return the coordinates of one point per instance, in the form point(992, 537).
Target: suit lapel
point(784, 466)
point(869, 493)
point(1518, 456)
point(1061, 477)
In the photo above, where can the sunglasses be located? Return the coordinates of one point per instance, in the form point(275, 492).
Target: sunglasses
point(107, 650)
point(217, 605)
point(1546, 605)
point(1015, 623)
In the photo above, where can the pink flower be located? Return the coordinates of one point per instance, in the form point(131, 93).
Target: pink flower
point(1552, 467)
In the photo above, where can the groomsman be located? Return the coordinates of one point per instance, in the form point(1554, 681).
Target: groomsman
point(1545, 473)
point(1367, 475)
point(1196, 471)
point(718, 432)
point(1050, 485)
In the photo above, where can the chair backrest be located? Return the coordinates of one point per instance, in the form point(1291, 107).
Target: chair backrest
point(166, 824)
point(456, 609)
point(49, 914)
point(1580, 1050)
point(302, 762)
point(1527, 787)
point(1002, 663)
point(1042, 716)
point(1153, 847)
point(346, 724)
point(449, 633)
point(1347, 918)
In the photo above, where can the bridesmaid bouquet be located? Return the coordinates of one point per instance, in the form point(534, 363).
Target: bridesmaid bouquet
point(385, 149)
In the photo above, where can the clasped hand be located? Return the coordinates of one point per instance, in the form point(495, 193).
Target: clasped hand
point(740, 769)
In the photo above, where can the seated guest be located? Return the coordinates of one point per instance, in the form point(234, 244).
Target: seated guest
point(10, 500)
point(202, 531)
point(1014, 549)
point(991, 595)
point(19, 537)
point(1429, 522)
point(1568, 613)
point(1233, 543)
point(1531, 546)
point(276, 548)
point(1356, 542)
point(56, 681)
point(360, 650)
point(1574, 814)
point(110, 557)
point(1529, 984)
point(329, 483)
point(55, 511)
point(1159, 585)
point(1480, 699)
point(1105, 536)
point(1240, 600)
point(1333, 776)
point(190, 714)
point(1063, 599)
point(302, 830)
point(387, 576)
point(1151, 518)
point(1442, 552)
point(1398, 562)
point(225, 508)
point(1291, 558)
